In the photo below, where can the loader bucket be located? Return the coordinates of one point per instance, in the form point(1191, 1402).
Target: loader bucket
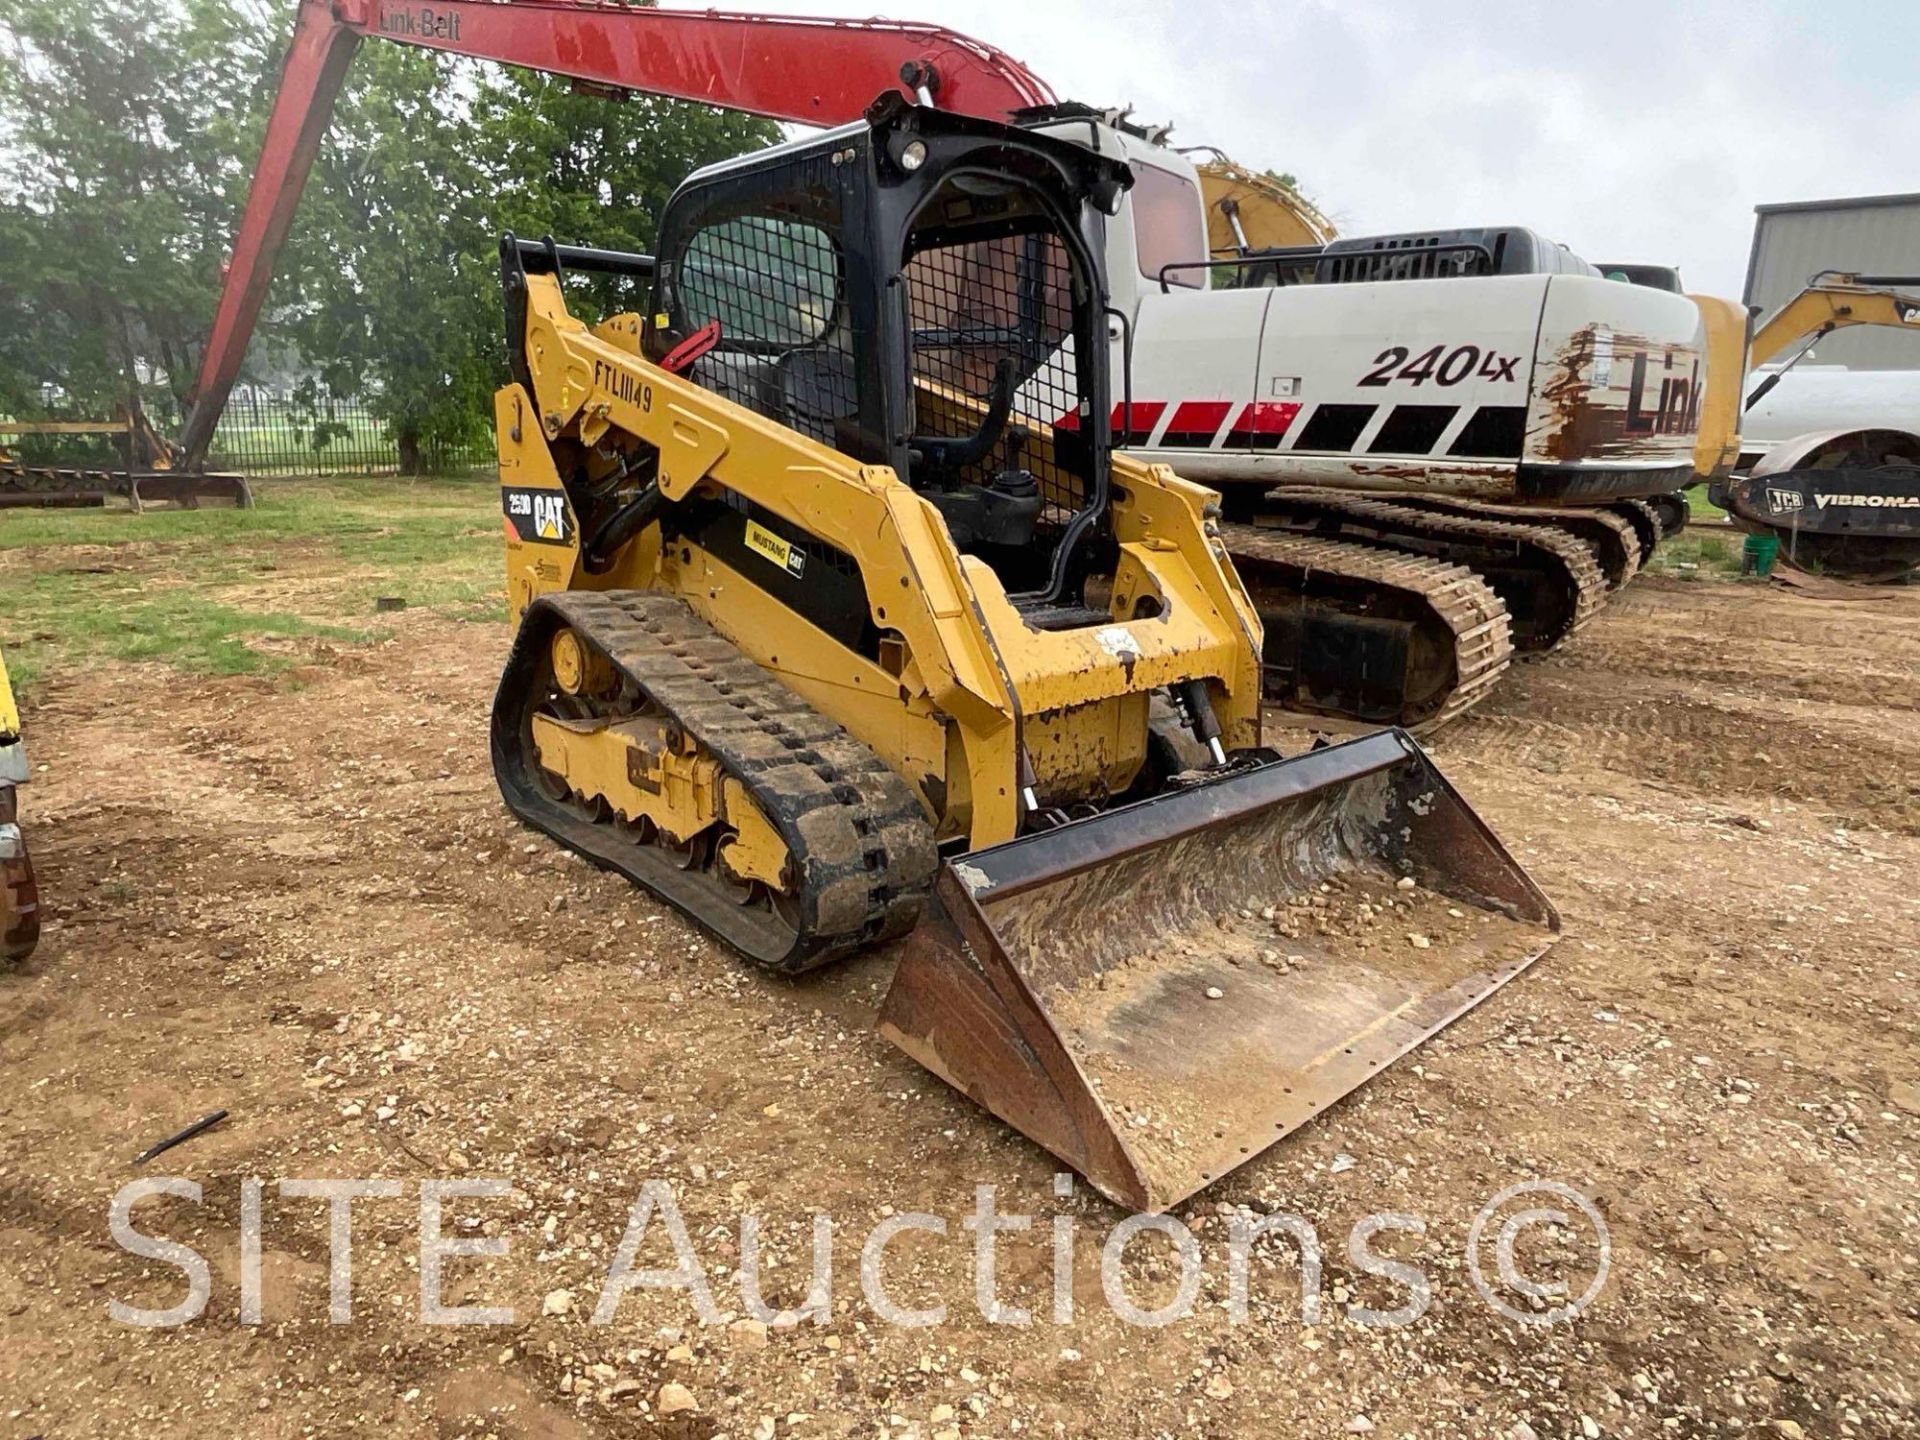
point(1160, 992)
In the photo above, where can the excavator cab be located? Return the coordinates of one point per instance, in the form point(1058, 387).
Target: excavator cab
point(838, 621)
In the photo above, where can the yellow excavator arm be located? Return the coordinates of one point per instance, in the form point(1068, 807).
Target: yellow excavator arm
point(1833, 300)
point(1251, 211)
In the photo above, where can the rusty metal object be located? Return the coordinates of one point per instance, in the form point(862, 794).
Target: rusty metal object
point(145, 478)
point(1611, 395)
point(19, 894)
point(1156, 1018)
point(180, 1137)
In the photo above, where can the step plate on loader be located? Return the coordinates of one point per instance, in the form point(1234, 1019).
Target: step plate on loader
point(1159, 993)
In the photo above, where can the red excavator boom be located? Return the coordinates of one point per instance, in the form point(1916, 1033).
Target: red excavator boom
point(811, 71)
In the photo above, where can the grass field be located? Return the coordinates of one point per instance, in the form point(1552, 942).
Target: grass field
point(1698, 553)
point(246, 591)
point(226, 591)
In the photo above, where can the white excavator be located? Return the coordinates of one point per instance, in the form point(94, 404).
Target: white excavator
point(1435, 449)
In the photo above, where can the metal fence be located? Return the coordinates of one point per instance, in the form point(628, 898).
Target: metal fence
point(266, 434)
point(261, 433)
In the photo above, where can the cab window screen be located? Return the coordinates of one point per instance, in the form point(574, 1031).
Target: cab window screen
point(976, 305)
point(770, 283)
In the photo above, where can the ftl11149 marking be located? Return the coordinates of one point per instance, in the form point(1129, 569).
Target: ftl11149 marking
point(623, 385)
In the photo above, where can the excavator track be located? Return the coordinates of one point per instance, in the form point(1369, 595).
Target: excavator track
point(1644, 519)
point(1670, 511)
point(1616, 542)
point(1349, 590)
point(1551, 583)
point(861, 854)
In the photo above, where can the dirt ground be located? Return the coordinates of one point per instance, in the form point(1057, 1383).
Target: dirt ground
point(299, 899)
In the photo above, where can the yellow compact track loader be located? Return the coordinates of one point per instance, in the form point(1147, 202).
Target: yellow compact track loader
point(839, 621)
point(19, 898)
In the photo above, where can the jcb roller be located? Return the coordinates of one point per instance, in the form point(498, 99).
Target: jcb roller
point(838, 620)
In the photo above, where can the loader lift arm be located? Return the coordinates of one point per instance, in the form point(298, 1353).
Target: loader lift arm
point(805, 70)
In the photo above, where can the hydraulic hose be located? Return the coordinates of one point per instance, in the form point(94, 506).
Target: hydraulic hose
point(620, 527)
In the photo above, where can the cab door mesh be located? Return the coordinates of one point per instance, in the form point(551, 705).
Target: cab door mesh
point(973, 306)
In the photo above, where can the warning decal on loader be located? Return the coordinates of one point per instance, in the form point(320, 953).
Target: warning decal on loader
point(538, 515)
point(787, 556)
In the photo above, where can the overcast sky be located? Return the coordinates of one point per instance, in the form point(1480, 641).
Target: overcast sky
point(1632, 131)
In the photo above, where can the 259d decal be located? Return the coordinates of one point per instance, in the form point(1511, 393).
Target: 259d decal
point(540, 516)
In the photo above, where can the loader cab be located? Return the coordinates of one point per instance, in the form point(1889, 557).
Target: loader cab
point(924, 291)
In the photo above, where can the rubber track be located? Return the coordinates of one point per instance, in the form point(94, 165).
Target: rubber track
point(856, 835)
point(1583, 571)
point(1634, 551)
point(1483, 642)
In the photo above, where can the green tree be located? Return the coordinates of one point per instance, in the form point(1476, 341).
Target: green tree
point(388, 271)
point(428, 163)
point(593, 171)
point(122, 124)
point(129, 131)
